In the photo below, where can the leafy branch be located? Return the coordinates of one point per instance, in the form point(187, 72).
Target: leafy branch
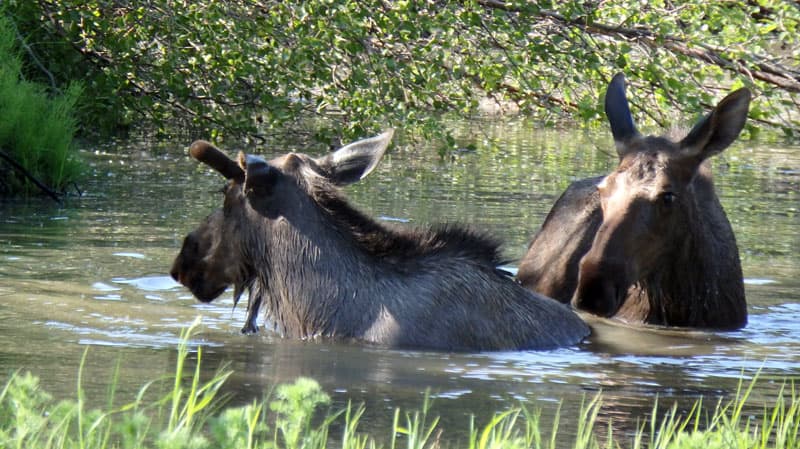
point(341, 68)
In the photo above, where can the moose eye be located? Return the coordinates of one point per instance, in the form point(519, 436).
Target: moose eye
point(668, 198)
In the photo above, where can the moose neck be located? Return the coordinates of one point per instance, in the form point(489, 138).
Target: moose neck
point(693, 290)
point(311, 277)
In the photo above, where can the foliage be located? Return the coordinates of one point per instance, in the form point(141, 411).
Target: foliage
point(266, 67)
point(37, 129)
point(295, 405)
point(189, 416)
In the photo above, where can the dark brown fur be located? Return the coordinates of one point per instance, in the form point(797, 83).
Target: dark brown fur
point(320, 268)
point(650, 242)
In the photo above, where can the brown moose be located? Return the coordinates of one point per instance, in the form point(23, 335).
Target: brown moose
point(321, 268)
point(650, 242)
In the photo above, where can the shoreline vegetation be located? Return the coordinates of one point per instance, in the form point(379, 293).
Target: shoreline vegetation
point(37, 130)
point(333, 71)
point(192, 414)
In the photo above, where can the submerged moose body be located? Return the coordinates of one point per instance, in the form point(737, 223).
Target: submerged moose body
point(650, 242)
point(320, 268)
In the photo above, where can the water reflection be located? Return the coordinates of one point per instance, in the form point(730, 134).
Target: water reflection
point(94, 274)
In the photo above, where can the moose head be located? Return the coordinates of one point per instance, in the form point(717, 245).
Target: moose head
point(226, 249)
point(658, 206)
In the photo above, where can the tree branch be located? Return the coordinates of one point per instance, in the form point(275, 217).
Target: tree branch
point(20, 169)
point(35, 59)
point(758, 68)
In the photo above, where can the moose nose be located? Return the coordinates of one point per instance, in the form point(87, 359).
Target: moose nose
point(600, 287)
point(598, 296)
point(175, 271)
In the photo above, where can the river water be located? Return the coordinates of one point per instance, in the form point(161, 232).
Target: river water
point(94, 274)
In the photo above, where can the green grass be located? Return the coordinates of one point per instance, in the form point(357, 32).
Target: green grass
point(191, 414)
point(37, 129)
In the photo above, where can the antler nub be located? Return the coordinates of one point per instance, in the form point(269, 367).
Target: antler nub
point(212, 156)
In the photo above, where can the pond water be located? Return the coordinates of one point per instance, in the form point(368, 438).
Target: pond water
point(94, 274)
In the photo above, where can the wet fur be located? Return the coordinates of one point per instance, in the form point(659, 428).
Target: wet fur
point(425, 287)
point(403, 245)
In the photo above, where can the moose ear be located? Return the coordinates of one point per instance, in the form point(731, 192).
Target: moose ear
point(714, 132)
point(619, 113)
point(210, 155)
point(354, 161)
point(259, 176)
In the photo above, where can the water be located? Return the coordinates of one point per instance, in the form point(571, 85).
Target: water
point(94, 275)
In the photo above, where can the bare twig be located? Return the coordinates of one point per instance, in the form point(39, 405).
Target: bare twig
point(35, 58)
point(21, 170)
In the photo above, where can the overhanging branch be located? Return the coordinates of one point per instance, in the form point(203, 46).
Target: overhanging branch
point(781, 77)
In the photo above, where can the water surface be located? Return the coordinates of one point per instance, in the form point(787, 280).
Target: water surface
point(93, 275)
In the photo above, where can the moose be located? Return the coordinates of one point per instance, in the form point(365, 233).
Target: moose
point(648, 244)
point(323, 269)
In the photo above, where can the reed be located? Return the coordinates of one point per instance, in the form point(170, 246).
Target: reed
point(191, 414)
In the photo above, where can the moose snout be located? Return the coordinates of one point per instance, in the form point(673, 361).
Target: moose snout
point(176, 270)
point(601, 288)
point(599, 296)
point(176, 274)
point(205, 283)
point(186, 262)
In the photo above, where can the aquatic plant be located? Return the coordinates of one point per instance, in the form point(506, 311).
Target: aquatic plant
point(191, 415)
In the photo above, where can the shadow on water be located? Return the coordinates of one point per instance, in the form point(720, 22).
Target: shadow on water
point(94, 275)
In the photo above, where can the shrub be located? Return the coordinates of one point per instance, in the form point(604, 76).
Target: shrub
point(37, 129)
